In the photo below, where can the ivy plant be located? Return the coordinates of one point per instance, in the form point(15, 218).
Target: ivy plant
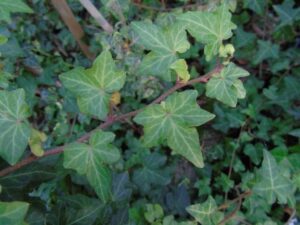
point(149, 112)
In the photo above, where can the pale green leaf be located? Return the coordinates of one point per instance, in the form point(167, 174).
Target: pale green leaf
point(15, 127)
point(93, 87)
point(91, 159)
point(206, 213)
point(225, 86)
point(174, 121)
point(209, 28)
point(8, 6)
point(273, 185)
point(13, 213)
point(163, 44)
point(181, 68)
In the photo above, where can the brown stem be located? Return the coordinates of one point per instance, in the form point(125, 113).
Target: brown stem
point(111, 120)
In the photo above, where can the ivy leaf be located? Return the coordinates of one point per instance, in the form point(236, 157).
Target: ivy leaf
point(273, 184)
point(12, 213)
point(163, 44)
point(7, 7)
point(206, 213)
point(181, 68)
point(225, 85)
point(91, 159)
point(93, 87)
point(153, 172)
point(15, 127)
point(257, 6)
point(173, 121)
point(209, 28)
point(266, 50)
point(287, 13)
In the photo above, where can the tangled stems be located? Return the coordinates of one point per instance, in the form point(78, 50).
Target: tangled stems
point(111, 120)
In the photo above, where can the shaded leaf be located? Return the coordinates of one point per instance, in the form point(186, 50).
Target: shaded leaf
point(7, 7)
point(12, 213)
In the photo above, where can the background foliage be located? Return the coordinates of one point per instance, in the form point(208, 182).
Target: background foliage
point(251, 151)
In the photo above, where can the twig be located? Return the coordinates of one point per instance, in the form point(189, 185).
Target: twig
point(236, 209)
point(97, 15)
point(111, 120)
point(69, 19)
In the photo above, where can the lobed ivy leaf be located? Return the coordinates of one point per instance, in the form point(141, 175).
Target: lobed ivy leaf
point(287, 13)
point(13, 121)
point(163, 44)
point(273, 185)
point(206, 213)
point(7, 7)
point(225, 86)
point(257, 6)
point(91, 160)
point(209, 28)
point(266, 50)
point(93, 87)
point(12, 213)
point(174, 121)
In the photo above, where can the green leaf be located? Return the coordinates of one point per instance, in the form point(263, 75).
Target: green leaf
point(225, 85)
point(7, 7)
point(91, 159)
point(206, 213)
point(287, 13)
point(209, 28)
point(3, 39)
point(181, 68)
point(163, 44)
point(13, 213)
point(174, 121)
point(93, 87)
point(273, 185)
point(15, 127)
point(266, 50)
point(257, 6)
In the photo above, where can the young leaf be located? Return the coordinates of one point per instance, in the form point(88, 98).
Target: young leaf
point(206, 213)
point(15, 128)
point(209, 28)
point(35, 142)
point(12, 213)
point(91, 159)
point(225, 85)
point(164, 45)
point(273, 184)
point(174, 121)
point(7, 7)
point(93, 87)
point(181, 68)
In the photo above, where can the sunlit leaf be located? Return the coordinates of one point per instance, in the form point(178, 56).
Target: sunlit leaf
point(174, 121)
point(13, 122)
point(93, 87)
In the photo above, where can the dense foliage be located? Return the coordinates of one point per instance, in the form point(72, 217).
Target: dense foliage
point(162, 112)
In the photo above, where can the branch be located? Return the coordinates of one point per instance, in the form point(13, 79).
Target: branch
point(97, 15)
point(111, 120)
point(69, 19)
